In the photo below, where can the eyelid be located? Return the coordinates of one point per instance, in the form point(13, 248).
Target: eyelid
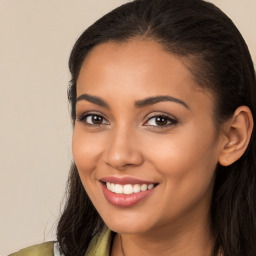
point(86, 113)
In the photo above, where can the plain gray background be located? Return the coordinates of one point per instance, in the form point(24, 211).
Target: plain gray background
point(36, 37)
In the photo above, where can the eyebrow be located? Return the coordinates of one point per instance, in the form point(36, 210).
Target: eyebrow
point(157, 99)
point(93, 99)
point(138, 104)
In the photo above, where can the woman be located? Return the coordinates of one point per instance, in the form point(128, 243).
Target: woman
point(163, 102)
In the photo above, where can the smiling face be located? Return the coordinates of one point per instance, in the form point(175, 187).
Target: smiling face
point(145, 130)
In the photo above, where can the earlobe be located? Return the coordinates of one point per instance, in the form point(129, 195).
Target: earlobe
point(236, 136)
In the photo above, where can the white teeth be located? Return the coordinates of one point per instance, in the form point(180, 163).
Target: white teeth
point(119, 189)
point(150, 186)
point(128, 188)
point(112, 187)
point(144, 187)
point(136, 188)
point(108, 186)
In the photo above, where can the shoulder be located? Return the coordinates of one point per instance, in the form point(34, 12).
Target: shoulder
point(44, 249)
point(101, 244)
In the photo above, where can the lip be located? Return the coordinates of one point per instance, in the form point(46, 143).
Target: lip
point(125, 180)
point(123, 200)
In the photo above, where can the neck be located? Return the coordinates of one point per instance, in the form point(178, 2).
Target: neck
point(177, 240)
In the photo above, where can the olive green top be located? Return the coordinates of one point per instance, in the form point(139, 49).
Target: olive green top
point(45, 249)
point(99, 246)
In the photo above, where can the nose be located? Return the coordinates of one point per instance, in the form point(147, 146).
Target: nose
point(122, 150)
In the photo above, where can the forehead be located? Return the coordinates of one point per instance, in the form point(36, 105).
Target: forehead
point(132, 60)
point(138, 68)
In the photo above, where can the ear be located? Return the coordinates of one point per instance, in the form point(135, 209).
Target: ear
point(236, 136)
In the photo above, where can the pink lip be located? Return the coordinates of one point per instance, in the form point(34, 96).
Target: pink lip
point(125, 180)
point(122, 200)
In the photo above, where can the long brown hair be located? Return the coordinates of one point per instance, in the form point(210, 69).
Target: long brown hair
point(220, 61)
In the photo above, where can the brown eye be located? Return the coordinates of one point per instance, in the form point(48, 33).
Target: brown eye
point(93, 119)
point(161, 121)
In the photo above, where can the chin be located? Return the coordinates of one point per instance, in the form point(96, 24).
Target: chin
point(129, 225)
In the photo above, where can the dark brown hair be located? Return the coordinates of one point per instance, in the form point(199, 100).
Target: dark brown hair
point(220, 61)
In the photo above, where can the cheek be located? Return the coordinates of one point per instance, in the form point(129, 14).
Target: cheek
point(187, 169)
point(186, 159)
point(86, 151)
point(86, 154)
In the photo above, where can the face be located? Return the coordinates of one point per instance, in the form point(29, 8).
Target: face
point(144, 139)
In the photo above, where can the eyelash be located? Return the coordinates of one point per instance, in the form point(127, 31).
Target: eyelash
point(166, 118)
point(170, 120)
point(83, 117)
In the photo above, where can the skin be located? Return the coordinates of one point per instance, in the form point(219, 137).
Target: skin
point(180, 157)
